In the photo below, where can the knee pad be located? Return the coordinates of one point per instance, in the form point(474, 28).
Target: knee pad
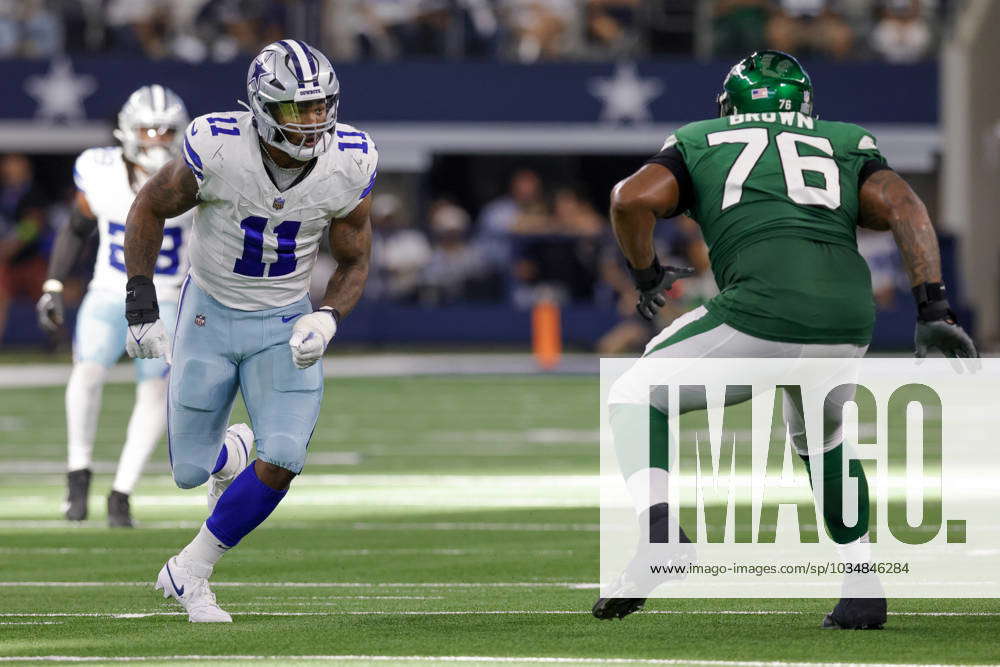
point(284, 451)
point(188, 476)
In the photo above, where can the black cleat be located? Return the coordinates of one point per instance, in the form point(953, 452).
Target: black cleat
point(610, 608)
point(119, 513)
point(857, 614)
point(78, 482)
point(635, 580)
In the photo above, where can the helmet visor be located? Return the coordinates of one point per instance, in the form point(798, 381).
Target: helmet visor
point(304, 123)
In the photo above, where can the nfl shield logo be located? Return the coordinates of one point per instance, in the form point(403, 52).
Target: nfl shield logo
point(758, 93)
point(278, 203)
point(199, 320)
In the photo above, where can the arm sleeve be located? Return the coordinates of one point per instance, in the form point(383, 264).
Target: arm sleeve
point(672, 158)
point(68, 244)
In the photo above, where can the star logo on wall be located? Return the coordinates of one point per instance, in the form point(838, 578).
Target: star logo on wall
point(626, 96)
point(60, 91)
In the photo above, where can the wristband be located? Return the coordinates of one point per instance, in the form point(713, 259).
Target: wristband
point(141, 306)
point(334, 313)
point(52, 286)
point(648, 278)
point(932, 302)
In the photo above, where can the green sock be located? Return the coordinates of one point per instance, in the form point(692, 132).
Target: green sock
point(833, 495)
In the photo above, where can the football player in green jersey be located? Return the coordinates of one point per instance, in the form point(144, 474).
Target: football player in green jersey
point(778, 194)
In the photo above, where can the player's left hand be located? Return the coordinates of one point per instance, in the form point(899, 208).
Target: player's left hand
point(653, 282)
point(946, 336)
point(310, 336)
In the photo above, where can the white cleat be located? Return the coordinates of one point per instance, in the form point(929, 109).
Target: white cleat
point(238, 442)
point(179, 582)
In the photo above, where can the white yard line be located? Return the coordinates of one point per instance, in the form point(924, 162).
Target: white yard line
point(478, 612)
point(358, 525)
point(19, 376)
point(470, 659)
point(315, 584)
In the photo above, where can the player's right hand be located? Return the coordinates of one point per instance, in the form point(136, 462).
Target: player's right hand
point(147, 337)
point(147, 341)
point(50, 306)
point(652, 283)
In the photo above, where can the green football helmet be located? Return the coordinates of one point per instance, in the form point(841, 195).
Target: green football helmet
point(766, 81)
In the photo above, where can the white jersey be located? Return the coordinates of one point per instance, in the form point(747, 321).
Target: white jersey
point(101, 174)
point(253, 247)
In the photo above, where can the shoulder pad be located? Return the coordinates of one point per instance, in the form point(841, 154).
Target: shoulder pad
point(359, 158)
point(90, 163)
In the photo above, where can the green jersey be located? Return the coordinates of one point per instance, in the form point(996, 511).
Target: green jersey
point(776, 196)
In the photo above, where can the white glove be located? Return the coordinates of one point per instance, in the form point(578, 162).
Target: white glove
point(147, 341)
point(310, 336)
point(50, 306)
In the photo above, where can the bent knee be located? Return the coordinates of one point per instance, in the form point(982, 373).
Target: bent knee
point(188, 476)
point(282, 452)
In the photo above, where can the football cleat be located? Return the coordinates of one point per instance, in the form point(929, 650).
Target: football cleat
point(857, 614)
point(119, 512)
point(78, 482)
point(238, 443)
point(178, 581)
point(630, 590)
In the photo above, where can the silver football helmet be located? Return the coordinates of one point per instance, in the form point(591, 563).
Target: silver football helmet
point(285, 84)
point(150, 113)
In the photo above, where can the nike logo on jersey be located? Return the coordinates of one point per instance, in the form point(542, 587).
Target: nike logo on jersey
point(179, 591)
point(286, 319)
point(194, 131)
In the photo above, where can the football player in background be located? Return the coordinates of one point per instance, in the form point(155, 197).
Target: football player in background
point(150, 131)
point(266, 185)
point(778, 195)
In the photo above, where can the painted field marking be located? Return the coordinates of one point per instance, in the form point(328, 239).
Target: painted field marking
point(470, 659)
point(313, 584)
point(480, 612)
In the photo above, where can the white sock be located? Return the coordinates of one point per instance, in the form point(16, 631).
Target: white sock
point(233, 457)
point(145, 428)
point(83, 406)
point(647, 487)
point(857, 552)
point(204, 551)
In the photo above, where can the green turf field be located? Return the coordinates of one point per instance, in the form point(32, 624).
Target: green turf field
point(452, 516)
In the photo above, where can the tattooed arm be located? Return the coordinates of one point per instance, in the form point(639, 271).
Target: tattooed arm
point(170, 192)
point(888, 203)
point(351, 246)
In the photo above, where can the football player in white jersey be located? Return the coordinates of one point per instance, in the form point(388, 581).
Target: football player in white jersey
point(266, 184)
point(150, 130)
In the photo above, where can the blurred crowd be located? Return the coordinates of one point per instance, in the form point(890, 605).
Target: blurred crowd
point(517, 30)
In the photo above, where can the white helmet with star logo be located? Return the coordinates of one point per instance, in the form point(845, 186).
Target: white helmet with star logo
point(293, 93)
point(151, 127)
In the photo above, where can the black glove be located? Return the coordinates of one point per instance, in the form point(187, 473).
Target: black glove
point(652, 282)
point(140, 301)
point(50, 306)
point(937, 326)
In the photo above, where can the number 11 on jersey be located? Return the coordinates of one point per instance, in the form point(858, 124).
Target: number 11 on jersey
point(252, 262)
